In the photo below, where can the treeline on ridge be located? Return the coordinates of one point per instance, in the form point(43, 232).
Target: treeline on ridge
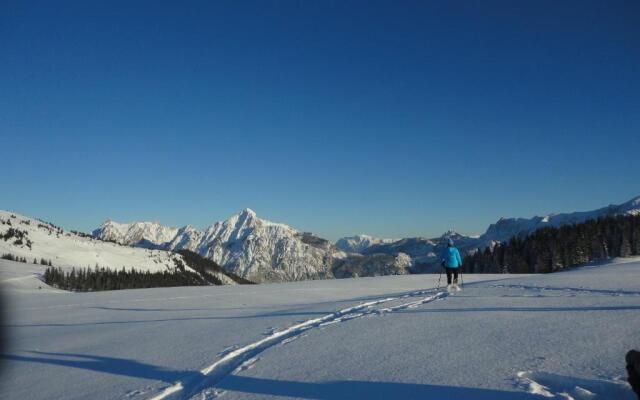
point(554, 249)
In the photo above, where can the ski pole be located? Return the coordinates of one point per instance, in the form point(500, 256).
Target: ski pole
point(439, 278)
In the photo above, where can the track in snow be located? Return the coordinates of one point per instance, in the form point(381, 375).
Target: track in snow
point(572, 388)
point(202, 384)
point(581, 290)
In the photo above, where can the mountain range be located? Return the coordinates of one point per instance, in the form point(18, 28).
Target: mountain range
point(256, 249)
point(261, 250)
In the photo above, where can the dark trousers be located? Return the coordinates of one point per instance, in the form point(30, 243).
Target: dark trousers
point(633, 368)
point(451, 271)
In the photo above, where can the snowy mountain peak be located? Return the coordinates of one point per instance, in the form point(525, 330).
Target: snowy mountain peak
point(249, 212)
point(264, 250)
point(450, 234)
point(246, 214)
point(151, 233)
point(245, 218)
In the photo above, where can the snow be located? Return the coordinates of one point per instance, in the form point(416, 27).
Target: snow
point(136, 232)
point(558, 386)
point(561, 335)
point(66, 249)
point(69, 250)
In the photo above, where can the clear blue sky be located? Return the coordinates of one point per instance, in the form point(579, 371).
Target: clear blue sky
point(390, 118)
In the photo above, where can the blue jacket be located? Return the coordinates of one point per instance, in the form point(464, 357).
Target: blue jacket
point(451, 257)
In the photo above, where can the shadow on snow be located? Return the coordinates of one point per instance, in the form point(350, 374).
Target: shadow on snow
point(109, 365)
point(363, 390)
point(142, 321)
point(523, 309)
point(271, 387)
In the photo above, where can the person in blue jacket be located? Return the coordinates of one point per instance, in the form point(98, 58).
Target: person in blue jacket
point(451, 262)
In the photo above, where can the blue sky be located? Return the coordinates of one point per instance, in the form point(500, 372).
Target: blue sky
point(389, 118)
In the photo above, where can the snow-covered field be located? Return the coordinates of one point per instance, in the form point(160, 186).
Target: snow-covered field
point(561, 335)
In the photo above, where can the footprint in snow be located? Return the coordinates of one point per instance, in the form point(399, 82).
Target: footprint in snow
point(572, 388)
point(248, 364)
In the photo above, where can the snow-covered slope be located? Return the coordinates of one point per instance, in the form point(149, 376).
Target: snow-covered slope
point(68, 249)
point(504, 337)
point(34, 239)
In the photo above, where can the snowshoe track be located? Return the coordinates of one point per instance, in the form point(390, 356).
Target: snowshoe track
point(200, 385)
point(571, 290)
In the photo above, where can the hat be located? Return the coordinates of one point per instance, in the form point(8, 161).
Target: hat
point(450, 242)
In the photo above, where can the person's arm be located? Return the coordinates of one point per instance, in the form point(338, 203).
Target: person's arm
point(458, 257)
